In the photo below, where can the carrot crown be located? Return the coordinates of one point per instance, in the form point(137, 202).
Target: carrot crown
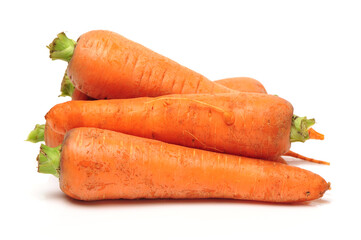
point(67, 87)
point(49, 160)
point(62, 48)
point(37, 135)
point(299, 128)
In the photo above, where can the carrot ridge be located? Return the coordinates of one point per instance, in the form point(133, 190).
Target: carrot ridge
point(138, 116)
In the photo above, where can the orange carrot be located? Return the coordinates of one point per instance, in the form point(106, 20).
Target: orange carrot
point(248, 124)
point(96, 164)
point(243, 84)
point(105, 65)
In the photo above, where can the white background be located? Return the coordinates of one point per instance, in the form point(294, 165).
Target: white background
point(308, 52)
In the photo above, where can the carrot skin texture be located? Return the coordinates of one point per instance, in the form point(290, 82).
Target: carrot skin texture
point(106, 65)
point(78, 95)
point(243, 84)
point(99, 164)
point(51, 137)
point(248, 124)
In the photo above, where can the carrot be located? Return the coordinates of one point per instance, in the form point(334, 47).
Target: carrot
point(243, 84)
point(96, 164)
point(248, 124)
point(105, 65)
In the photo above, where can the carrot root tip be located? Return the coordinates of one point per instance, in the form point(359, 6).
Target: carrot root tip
point(49, 160)
point(62, 48)
point(315, 135)
point(37, 135)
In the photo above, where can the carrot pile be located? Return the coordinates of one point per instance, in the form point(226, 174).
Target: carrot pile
point(143, 126)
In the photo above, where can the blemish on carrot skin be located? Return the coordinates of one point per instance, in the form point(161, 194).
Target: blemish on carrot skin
point(165, 103)
point(90, 164)
point(308, 193)
point(228, 118)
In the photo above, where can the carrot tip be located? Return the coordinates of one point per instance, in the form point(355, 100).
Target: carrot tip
point(313, 134)
point(37, 135)
point(62, 48)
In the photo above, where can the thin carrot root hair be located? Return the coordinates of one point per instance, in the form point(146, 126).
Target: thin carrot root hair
point(315, 135)
point(296, 155)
